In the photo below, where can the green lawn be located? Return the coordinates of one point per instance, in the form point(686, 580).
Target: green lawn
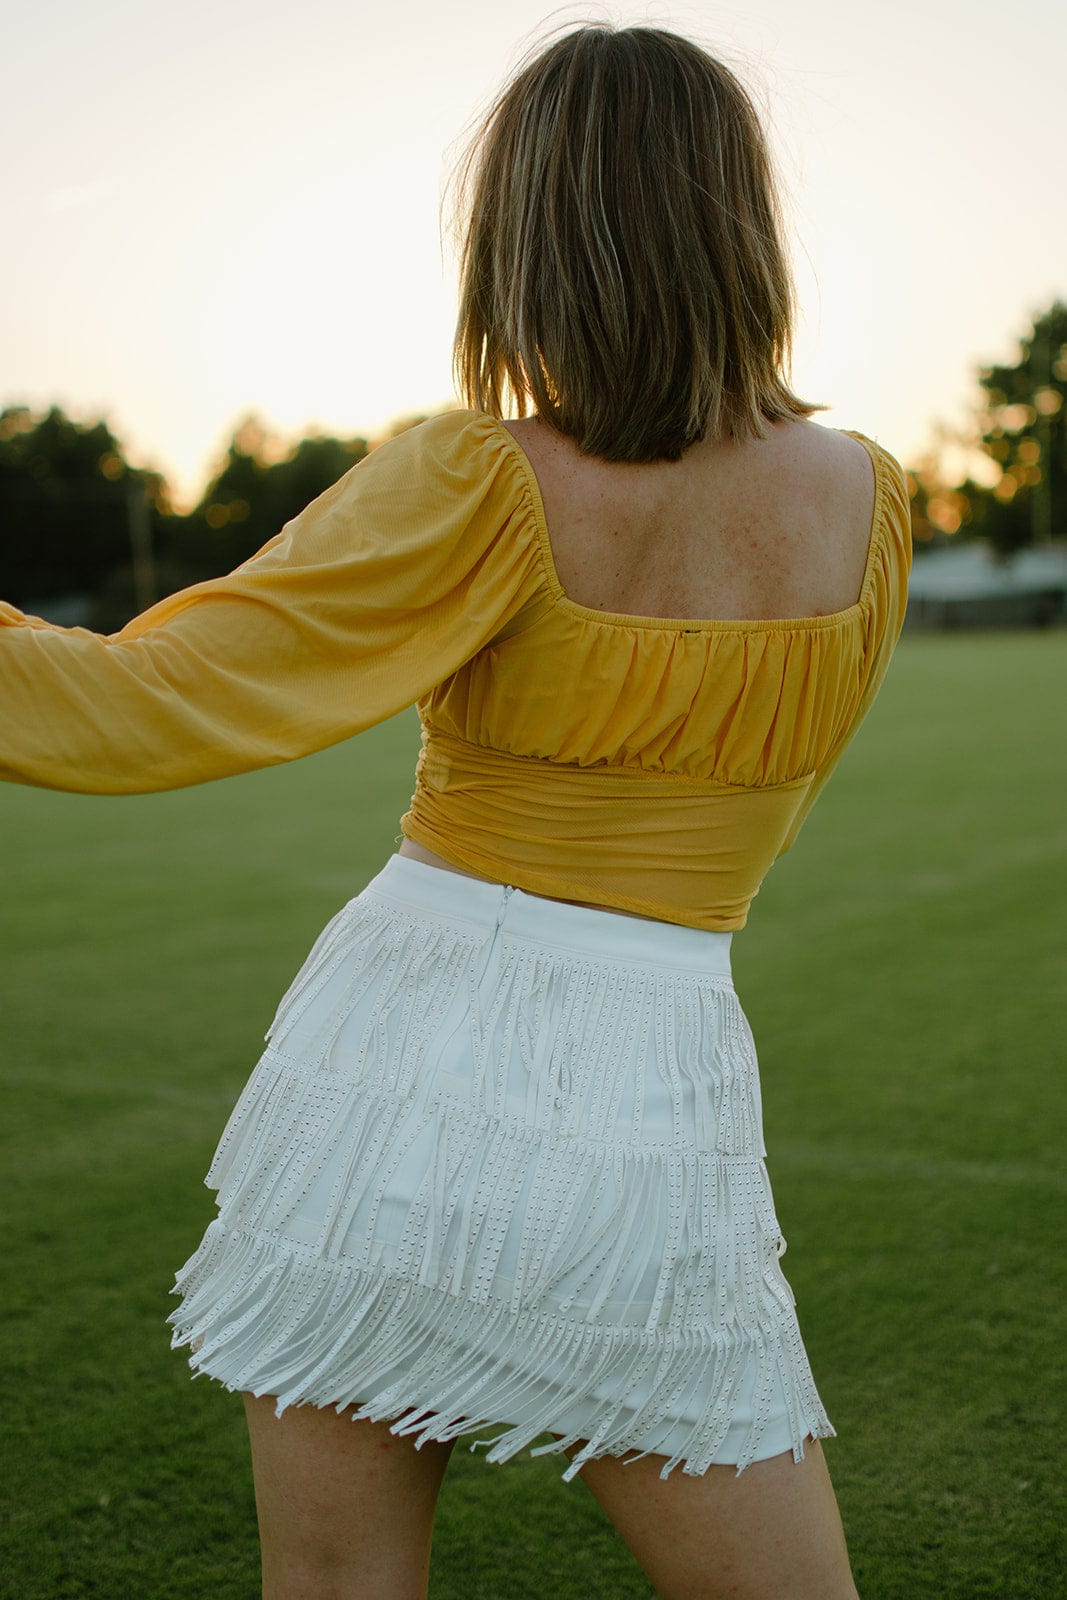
point(904, 972)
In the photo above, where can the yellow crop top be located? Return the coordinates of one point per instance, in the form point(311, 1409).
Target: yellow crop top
point(651, 764)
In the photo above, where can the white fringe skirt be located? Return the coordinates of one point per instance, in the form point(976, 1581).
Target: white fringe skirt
point(502, 1163)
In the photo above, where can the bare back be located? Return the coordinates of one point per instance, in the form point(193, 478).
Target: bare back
point(771, 528)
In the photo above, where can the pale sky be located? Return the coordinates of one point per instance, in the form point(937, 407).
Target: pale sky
point(223, 207)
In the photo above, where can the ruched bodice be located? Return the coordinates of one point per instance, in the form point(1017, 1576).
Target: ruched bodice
point(656, 765)
point(747, 707)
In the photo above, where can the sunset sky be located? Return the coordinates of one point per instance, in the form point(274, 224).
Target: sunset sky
point(227, 207)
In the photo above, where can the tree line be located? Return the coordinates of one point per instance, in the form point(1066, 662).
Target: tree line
point(1020, 428)
point(79, 522)
point(76, 518)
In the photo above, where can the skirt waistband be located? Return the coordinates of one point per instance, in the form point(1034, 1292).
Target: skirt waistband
point(420, 887)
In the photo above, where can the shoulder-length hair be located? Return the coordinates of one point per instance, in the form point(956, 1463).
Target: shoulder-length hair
point(621, 260)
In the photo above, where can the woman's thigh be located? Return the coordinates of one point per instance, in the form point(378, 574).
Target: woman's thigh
point(774, 1533)
point(345, 1507)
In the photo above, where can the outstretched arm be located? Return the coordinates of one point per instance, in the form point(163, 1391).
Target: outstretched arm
point(381, 588)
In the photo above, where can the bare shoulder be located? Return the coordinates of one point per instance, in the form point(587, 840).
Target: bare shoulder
point(830, 489)
point(835, 463)
point(773, 527)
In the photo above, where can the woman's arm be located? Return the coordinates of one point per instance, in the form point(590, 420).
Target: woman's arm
point(381, 588)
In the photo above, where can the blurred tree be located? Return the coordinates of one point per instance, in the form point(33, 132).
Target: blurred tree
point(940, 511)
point(77, 520)
point(1022, 427)
point(69, 501)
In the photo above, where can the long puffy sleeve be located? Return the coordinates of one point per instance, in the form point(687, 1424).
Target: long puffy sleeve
point(380, 589)
point(885, 599)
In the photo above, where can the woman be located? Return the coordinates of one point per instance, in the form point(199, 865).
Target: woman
point(502, 1160)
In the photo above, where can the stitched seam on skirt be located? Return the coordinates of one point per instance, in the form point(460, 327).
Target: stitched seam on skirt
point(631, 1333)
point(515, 1124)
point(412, 916)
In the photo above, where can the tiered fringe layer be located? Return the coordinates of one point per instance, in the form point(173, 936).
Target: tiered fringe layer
point(477, 1180)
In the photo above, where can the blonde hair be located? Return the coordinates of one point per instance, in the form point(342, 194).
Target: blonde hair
point(621, 260)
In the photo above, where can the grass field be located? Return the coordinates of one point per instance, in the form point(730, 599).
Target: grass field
point(904, 971)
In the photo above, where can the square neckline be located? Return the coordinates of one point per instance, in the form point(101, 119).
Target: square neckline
point(622, 619)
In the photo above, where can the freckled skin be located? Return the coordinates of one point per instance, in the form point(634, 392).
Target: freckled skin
point(759, 528)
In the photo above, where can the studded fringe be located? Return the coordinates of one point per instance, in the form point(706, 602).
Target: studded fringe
point(457, 1250)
